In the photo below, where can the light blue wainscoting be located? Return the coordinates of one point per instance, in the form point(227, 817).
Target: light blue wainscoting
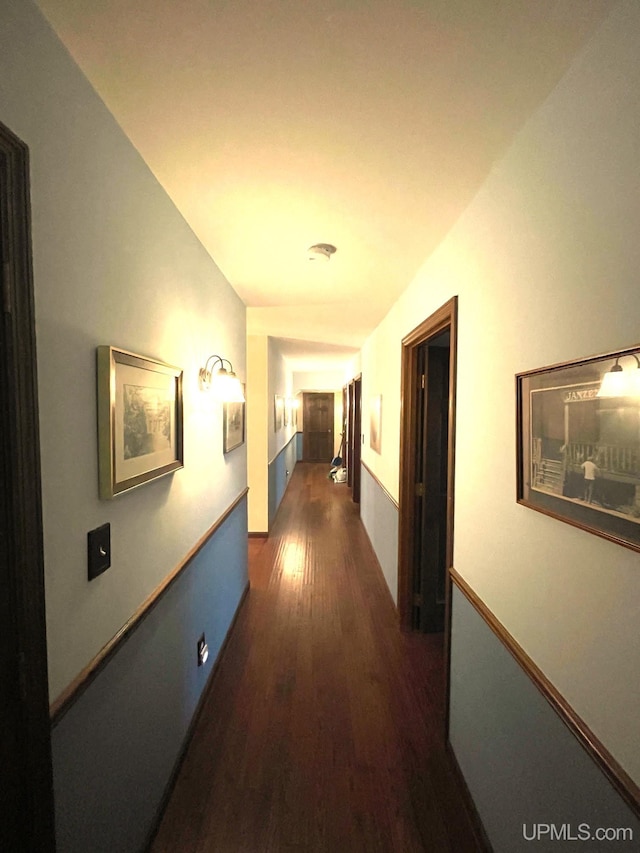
point(115, 748)
point(280, 471)
point(522, 764)
point(299, 446)
point(379, 515)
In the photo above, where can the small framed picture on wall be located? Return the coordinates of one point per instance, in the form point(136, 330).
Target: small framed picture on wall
point(232, 426)
point(375, 423)
point(278, 412)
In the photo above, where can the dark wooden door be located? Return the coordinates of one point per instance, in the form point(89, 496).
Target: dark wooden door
point(344, 442)
point(317, 436)
point(432, 441)
point(26, 812)
point(357, 437)
point(349, 435)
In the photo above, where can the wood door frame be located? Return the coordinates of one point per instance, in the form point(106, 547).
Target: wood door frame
point(446, 317)
point(344, 452)
point(349, 437)
point(20, 451)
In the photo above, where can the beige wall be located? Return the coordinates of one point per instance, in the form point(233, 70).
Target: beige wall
point(258, 424)
point(545, 263)
point(268, 375)
point(114, 263)
point(280, 383)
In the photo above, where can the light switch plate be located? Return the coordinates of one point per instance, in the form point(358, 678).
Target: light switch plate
point(99, 550)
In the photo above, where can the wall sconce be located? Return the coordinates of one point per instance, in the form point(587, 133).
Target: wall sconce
point(621, 383)
point(294, 405)
point(224, 383)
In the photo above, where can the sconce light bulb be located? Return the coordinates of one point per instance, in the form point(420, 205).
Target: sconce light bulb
point(224, 383)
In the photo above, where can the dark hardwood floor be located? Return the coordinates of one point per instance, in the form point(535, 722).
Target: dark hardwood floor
point(323, 728)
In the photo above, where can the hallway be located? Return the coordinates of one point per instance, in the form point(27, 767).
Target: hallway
point(323, 728)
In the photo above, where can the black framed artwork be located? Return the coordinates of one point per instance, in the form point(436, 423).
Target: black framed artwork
point(578, 443)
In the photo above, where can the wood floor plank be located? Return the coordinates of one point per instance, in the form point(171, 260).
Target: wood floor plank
point(323, 727)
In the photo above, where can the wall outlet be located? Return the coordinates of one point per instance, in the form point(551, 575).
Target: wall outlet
point(203, 651)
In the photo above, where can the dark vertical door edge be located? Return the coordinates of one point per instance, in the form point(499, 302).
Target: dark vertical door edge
point(28, 822)
point(430, 559)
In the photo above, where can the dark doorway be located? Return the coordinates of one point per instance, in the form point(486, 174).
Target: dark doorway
point(427, 471)
point(432, 439)
point(317, 431)
point(354, 436)
point(349, 434)
point(344, 438)
point(25, 748)
point(357, 438)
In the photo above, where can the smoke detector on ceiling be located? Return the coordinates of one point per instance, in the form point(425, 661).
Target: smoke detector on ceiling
point(320, 252)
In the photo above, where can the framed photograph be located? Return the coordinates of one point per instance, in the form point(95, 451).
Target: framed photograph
point(232, 426)
point(578, 443)
point(278, 412)
point(139, 420)
point(375, 423)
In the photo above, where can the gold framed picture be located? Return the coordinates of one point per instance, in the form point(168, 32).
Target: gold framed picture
point(233, 426)
point(140, 430)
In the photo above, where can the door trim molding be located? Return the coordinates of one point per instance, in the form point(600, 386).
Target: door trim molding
point(20, 449)
point(446, 317)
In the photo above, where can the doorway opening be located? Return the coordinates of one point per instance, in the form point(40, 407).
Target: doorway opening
point(432, 433)
point(354, 436)
point(25, 745)
point(427, 443)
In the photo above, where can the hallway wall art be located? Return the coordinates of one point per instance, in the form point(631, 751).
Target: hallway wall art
point(233, 426)
point(139, 420)
point(579, 443)
point(278, 412)
point(375, 423)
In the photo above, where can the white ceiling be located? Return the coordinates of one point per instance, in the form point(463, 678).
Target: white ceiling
point(276, 124)
point(307, 355)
